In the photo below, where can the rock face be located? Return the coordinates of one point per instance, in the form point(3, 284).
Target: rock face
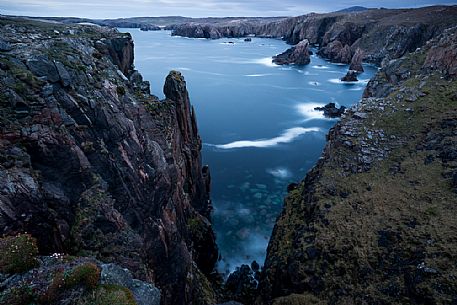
point(91, 163)
point(144, 293)
point(372, 222)
point(356, 61)
point(378, 33)
point(298, 55)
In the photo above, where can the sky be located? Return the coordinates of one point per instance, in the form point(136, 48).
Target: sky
point(99, 9)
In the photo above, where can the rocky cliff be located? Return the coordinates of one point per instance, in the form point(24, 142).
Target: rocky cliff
point(93, 165)
point(298, 55)
point(373, 222)
point(380, 34)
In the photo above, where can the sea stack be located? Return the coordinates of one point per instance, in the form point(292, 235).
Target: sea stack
point(356, 62)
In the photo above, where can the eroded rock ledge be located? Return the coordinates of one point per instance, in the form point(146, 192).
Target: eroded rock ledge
point(91, 164)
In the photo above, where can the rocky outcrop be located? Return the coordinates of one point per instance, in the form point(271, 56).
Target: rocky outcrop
point(356, 61)
point(297, 55)
point(337, 52)
point(92, 164)
point(331, 111)
point(443, 55)
point(361, 227)
point(351, 76)
point(61, 279)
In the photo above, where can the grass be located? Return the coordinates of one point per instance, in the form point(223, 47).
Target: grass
point(17, 253)
point(109, 295)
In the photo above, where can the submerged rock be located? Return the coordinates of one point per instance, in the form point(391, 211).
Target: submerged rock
point(298, 55)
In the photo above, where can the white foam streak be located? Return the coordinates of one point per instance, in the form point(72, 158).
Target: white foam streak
point(280, 172)
point(288, 136)
point(267, 61)
point(307, 110)
point(258, 75)
point(321, 67)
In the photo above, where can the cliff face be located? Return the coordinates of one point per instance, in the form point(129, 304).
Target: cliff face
point(373, 222)
point(380, 34)
point(91, 164)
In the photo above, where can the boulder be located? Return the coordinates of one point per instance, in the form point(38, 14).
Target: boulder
point(65, 78)
point(144, 293)
point(351, 76)
point(298, 55)
point(331, 111)
point(41, 66)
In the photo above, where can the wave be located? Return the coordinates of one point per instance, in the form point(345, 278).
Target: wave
point(267, 61)
point(280, 172)
point(258, 75)
point(182, 69)
point(314, 83)
point(320, 67)
point(307, 110)
point(287, 136)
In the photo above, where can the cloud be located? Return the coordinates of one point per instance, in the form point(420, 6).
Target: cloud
point(202, 8)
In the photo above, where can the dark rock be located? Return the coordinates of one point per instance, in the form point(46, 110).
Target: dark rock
point(248, 39)
point(5, 46)
point(241, 285)
point(330, 110)
point(255, 266)
point(291, 187)
point(298, 55)
point(337, 52)
point(40, 66)
point(351, 76)
point(65, 78)
point(356, 62)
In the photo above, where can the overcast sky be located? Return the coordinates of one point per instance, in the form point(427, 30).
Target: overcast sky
point(191, 8)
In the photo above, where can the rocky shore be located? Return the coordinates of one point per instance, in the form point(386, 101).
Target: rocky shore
point(378, 34)
point(373, 222)
point(92, 165)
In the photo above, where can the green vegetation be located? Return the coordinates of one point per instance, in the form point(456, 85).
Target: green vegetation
point(298, 299)
point(87, 274)
point(17, 253)
point(109, 295)
point(120, 90)
point(22, 295)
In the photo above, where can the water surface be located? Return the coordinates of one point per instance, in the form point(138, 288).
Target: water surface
point(257, 121)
